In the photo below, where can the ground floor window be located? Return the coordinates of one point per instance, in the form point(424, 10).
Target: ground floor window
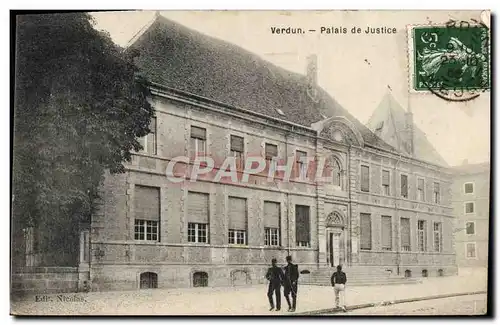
point(145, 230)
point(197, 232)
point(200, 279)
point(272, 237)
point(471, 250)
point(237, 237)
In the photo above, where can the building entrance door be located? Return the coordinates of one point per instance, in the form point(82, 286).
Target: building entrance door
point(335, 247)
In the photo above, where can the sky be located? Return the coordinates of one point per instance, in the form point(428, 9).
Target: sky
point(355, 69)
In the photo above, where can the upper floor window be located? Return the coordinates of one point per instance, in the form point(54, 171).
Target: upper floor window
point(237, 149)
point(198, 144)
point(469, 188)
point(404, 186)
point(365, 178)
point(470, 228)
point(436, 193)
point(420, 189)
point(386, 181)
point(469, 207)
point(301, 164)
point(271, 151)
point(149, 141)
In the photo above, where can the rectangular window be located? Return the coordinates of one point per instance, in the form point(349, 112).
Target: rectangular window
point(404, 186)
point(198, 144)
point(198, 217)
point(149, 141)
point(405, 235)
point(365, 178)
point(271, 151)
point(272, 237)
point(386, 233)
point(302, 226)
point(146, 230)
point(438, 236)
point(436, 193)
point(470, 228)
point(301, 164)
point(469, 207)
point(420, 189)
point(237, 150)
point(422, 238)
point(272, 220)
point(237, 214)
point(469, 188)
point(197, 232)
point(386, 180)
point(366, 231)
point(147, 212)
point(471, 250)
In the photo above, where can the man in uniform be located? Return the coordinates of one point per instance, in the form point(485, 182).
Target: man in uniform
point(291, 278)
point(275, 276)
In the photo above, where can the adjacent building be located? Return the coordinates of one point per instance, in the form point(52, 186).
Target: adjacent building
point(384, 205)
point(471, 205)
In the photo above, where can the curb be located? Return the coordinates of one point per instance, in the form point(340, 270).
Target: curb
point(385, 303)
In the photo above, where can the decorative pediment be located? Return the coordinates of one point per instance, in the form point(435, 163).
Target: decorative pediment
point(339, 129)
point(335, 219)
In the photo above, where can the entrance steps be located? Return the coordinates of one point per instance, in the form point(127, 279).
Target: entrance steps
point(356, 276)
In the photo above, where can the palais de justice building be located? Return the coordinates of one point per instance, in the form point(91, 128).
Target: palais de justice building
point(387, 204)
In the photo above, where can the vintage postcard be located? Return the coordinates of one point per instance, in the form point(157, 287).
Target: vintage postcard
point(276, 163)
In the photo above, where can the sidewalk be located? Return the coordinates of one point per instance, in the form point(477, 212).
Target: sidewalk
point(238, 301)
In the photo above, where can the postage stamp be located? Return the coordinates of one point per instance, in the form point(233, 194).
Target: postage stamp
point(450, 60)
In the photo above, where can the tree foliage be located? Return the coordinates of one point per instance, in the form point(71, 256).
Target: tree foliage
point(80, 106)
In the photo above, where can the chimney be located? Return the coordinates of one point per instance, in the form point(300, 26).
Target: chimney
point(312, 70)
point(409, 130)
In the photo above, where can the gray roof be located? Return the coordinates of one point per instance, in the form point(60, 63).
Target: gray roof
point(388, 121)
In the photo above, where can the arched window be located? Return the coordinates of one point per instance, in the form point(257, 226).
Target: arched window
point(440, 272)
point(408, 274)
point(200, 279)
point(239, 278)
point(424, 273)
point(336, 173)
point(149, 280)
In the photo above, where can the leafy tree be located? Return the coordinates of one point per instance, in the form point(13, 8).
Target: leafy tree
point(80, 105)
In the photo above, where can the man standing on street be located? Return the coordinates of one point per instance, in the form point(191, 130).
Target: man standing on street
point(339, 280)
point(291, 278)
point(275, 276)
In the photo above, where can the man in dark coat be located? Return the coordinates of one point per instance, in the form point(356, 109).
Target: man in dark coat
point(290, 285)
point(275, 276)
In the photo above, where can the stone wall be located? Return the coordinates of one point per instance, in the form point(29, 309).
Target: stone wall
point(30, 280)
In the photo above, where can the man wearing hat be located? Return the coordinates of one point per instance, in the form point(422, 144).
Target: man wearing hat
point(275, 276)
point(290, 285)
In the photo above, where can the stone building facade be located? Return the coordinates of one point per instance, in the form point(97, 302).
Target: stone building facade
point(377, 207)
point(471, 205)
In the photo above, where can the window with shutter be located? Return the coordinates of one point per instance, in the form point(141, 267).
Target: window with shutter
point(404, 186)
point(198, 141)
point(198, 217)
point(365, 178)
point(149, 141)
point(437, 193)
point(422, 235)
point(386, 178)
point(469, 188)
point(420, 189)
point(301, 165)
point(147, 212)
point(366, 231)
point(237, 214)
point(387, 233)
point(272, 229)
point(437, 237)
point(302, 226)
point(405, 235)
point(237, 150)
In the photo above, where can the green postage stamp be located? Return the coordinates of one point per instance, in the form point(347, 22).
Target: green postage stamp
point(451, 58)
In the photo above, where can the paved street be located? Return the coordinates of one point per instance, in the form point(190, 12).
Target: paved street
point(462, 305)
point(250, 300)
